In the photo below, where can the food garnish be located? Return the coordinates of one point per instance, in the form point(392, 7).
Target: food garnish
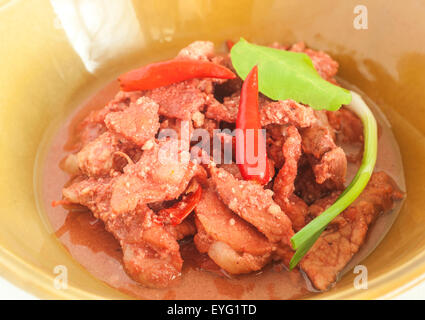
point(249, 120)
point(164, 73)
point(287, 75)
point(304, 239)
point(178, 212)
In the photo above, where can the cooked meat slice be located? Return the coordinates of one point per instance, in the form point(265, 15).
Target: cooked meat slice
point(204, 50)
point(97, 157)
point(185, 229)
point(277, 45)
point(344, 236)
point(201, 239)
point(306, 186)
point(234, 262)
point(323, 63)
point(138, 123)
point(120, 102)
point(332, 166)
point(226, 257)
point(284, 183)
point(234, 169)
point(254, 204)
point(294, 207)
point(284, 253)
point(317, 140)
point(296, 210)
point(226, 111)
point(184, 99)
point(322, 204)
point(151, 254)
point(322, 120)
point(348, 126)
point(198, 50)
point(177, 129)
point(69, 164)
point(150, 267)
point(210, 125)
point(93, 125)
point(94, 193)
point(162, 173)
point(230, 86)
point(88, 131)
point(221, 224)
point(275, 139)
point(327, 159)
point(272, 112)
point(179, 100)
point(286, 112)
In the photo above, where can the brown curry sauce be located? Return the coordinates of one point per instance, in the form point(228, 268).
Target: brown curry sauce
point(99, 252)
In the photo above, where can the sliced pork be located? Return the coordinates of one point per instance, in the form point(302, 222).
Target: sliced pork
point(151, 255)
point(283, 187)
point(254, 204)
point(219, 227)
point(138, 123)
point(327, 159)
point(162, 173)
point(344, 236)
point(272, 112)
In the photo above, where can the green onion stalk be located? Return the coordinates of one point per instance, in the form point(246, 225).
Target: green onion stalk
point(304, 239)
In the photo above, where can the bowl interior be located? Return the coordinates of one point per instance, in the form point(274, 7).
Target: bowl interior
point(43, 78)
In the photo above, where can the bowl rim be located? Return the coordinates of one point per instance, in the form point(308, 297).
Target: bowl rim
point(33, 280)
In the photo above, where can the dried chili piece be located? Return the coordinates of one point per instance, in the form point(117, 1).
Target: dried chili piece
point(178, 212)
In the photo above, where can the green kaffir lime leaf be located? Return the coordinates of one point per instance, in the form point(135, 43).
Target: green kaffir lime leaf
point(287, 75)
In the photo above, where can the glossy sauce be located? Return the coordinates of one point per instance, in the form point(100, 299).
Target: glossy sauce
point(98, 251)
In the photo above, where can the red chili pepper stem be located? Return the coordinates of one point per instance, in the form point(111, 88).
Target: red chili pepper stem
point(249, 118)
point(164, 73)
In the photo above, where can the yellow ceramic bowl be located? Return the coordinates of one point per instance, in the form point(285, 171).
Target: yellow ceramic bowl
point(54, 55)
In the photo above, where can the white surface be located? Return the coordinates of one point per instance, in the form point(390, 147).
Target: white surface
point(416, 293)
point(99, 30)
point(9, 292)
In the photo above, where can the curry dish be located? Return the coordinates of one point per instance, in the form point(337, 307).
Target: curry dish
point(156, 215)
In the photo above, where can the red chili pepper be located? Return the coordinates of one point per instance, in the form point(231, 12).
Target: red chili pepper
point(229, 44)
point(164, 73)
point(249, 118)
point(178, 212)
